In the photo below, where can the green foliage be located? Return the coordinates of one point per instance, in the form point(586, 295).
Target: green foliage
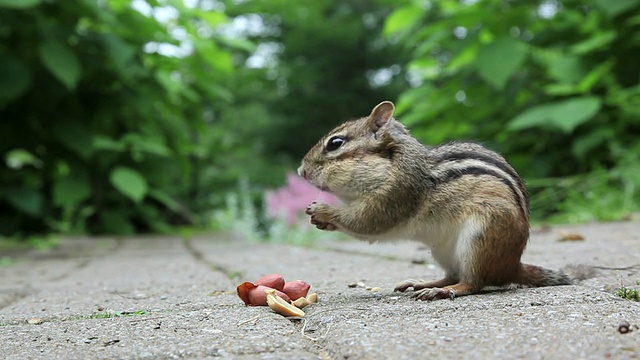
point(603, 194)
point(107, 114)
point(128, 116)
point(61, 62)
point(129, 182)
point(563, 115)
point(499, 60)
point(325, 61)
point(550, 84)
point(628, 293)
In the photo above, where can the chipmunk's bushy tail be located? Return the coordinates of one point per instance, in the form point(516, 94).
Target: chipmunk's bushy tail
point(538, 276)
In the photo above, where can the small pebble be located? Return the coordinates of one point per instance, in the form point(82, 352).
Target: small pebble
point(624, 327)
point(35, 321)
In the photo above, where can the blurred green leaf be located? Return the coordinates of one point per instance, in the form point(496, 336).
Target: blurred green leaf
point(75, 136)
point(116, 222)
point(147, 144)
point(499, 60)
point(590, 141)
point(14, 78)
point(70, 191)
point(571, 113)
point(26, 200)
point(101, 142)
point(18, 158)
point(213, 18)
point(598, 41)
point(214, 56)
point(119, 51)
point(19, 4)
point(401, 19)
point(537, 116)
point(166, 200)
point(565, 115)
point(61, 62)
point(567, 69)
point(129, 183)
point(595, 75)
point(614, 8)
point(237, 43)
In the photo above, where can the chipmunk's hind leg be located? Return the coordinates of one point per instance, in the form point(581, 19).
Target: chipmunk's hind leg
point(447, 292)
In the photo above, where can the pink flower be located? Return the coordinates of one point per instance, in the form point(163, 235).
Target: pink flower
point(290, 201)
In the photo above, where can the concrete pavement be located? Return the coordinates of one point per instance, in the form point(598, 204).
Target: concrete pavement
point(163, 297)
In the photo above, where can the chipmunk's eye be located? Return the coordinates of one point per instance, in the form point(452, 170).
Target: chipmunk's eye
point(335, 143)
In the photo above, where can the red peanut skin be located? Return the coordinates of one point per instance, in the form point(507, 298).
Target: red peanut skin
point(274, 281)
point(254, 295)
point(296, 289)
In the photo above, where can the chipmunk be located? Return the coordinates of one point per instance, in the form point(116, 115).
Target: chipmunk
point(464, 201)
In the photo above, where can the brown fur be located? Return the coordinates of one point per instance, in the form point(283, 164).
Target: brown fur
point(462, 200)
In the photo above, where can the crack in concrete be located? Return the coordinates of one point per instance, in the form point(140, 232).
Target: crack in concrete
point(199, 257)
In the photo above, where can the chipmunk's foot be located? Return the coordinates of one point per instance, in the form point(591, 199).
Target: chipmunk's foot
point(435, 293)
point(407, 284)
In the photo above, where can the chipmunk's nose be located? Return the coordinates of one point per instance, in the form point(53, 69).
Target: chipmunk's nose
point(302, 172)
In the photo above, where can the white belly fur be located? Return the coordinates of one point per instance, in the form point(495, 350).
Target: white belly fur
point(451, 243)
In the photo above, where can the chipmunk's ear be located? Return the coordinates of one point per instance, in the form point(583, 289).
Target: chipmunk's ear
point(380, 115)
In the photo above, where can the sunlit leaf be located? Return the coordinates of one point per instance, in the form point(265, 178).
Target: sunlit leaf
point(536, 116)
point(129, 183)
point(61, 62)
point(148, 144)
point(565, 115)
point(465, 57)
point(18, 158)
point(561, 89)
point(240, 44)
point(401, 19)
point(101, 142)
point(567, 69)
point(597, 41)
point(213, 18)
point(571, 113)
point(499, 60)
point(18, 4)
point(594, 76)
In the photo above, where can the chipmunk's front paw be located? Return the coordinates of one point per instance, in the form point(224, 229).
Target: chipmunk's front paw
point(320, 216)
point(407, 284)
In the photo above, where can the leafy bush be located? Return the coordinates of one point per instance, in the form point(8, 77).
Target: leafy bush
point(552, 84)
point(108, 114)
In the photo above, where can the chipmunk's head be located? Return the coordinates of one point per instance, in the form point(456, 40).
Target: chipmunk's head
point(355, 158)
